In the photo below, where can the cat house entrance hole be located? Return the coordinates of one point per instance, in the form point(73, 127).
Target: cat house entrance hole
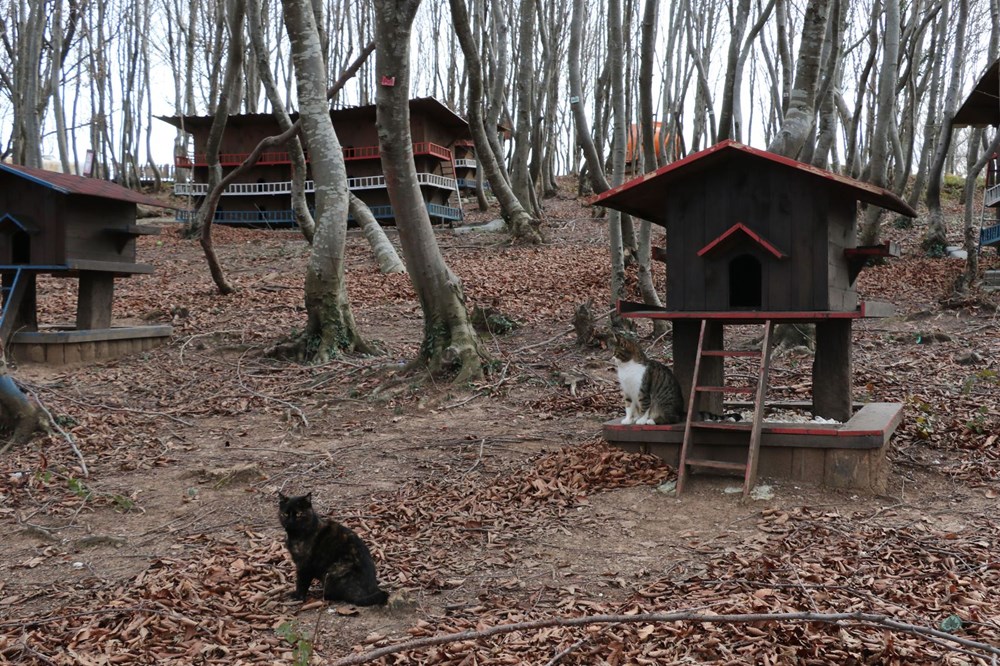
point(20, 248)
point(745, 282)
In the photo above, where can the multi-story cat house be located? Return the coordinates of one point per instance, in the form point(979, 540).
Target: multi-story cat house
point(981, 109)
point(69, 227)
point(262, 196)
point(753, 237)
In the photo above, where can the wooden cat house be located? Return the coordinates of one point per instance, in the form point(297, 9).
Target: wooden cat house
point(756, 238)
point(69, 227)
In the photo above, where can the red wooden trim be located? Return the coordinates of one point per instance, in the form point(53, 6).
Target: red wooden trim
point(639, 311)
point(886, 249)
point(739, 226)
point(886, 198)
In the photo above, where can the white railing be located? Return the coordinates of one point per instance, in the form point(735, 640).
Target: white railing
point(240, 189)
point(366, 183)
point(285, 187)
point(437, 181)
point(466, 164)
point(992, 195)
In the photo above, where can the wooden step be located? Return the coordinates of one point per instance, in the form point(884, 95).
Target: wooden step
point(730, 353)
point(717, 464)
point(726, 389)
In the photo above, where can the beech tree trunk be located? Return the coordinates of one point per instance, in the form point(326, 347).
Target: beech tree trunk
point(595, 168)
point(937, 237)
point(300, 206)
point(798, 120)
point(330, 327)
point(886, 109)
point(450, 343)
point(522, 225)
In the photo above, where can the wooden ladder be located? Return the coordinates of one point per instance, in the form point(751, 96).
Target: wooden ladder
point(753, 429)
point(12, 292)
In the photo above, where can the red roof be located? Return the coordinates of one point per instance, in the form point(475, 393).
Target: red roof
point(65, 183)
point(643, 196)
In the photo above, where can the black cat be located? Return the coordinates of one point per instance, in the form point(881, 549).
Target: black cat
point(324, 549)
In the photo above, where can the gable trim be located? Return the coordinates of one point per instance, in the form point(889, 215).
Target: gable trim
point(738, 228)
point(23, 225)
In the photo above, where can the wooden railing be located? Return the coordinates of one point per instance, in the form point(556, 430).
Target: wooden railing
point(282, 157)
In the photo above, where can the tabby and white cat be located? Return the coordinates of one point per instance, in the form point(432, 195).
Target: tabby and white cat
point(651, 391)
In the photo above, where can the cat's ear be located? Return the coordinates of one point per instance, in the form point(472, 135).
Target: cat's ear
point(307, 498)
point(282, 497)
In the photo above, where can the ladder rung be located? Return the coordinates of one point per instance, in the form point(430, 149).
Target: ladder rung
point(718, 464)
point(729, 352)
point(726, 389)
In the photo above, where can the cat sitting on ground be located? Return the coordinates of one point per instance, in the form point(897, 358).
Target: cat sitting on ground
point(324, 549)
point(650, 388)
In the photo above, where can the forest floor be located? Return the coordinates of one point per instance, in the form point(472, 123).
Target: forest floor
point(488, 504)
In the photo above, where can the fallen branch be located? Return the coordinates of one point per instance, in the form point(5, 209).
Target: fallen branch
point(857, 618)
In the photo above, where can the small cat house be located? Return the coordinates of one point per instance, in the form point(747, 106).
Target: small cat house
point(67, 226)
point(757, 238)
point(751, 230)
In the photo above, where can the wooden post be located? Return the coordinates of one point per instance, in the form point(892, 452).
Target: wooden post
point(832, 370)
point(93, 308)
point(685, 348)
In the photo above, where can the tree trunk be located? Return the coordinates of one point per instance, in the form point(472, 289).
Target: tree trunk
point(450, 343)
point(937, 237)
point(884, 116)
point(798, 121)
point(598, 181)
point(385, 254)
point(330, 327)
point(522, 226)
point(520, 177)
point(971, 272)
point(647, 49)
point(17, 413)
point(615, 225)
point(300, 206)
point(204, 216)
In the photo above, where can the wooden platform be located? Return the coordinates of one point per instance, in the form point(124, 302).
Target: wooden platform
point(838, 455)
point(61, 346)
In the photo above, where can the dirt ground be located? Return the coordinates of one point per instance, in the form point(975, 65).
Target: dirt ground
point(488, 504)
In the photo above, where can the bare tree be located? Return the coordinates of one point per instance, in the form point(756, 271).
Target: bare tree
point(799, 118)
point(330, 328)
point(936, 237)
point(520, 176)
point(522, 225)
point(884, 119)
point(450, 343)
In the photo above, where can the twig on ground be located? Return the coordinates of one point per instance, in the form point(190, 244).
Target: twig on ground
point(857, 618)
point(562, 653)
point(58, 428)
point(479, 458)
point(558, 335)
point(239, 379)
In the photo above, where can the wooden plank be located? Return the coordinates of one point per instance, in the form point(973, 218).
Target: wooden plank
point(875, 418)
point(116, 267)
point(743, 316)
point(810, 436)
point(118, 333)
point(874, 309)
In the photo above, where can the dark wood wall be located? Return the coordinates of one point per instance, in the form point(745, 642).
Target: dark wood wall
point(39, 206)
point(807, 222)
